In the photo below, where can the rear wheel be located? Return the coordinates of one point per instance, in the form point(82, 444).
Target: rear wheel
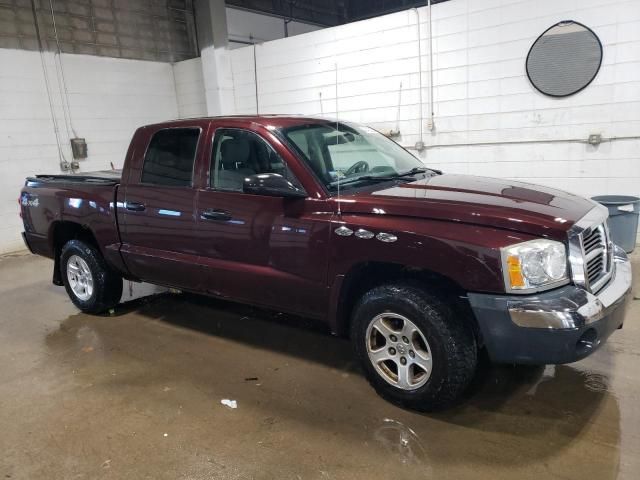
point(414, 349)
point(92, 286)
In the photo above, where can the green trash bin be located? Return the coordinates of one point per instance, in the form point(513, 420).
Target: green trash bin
point(623, 219)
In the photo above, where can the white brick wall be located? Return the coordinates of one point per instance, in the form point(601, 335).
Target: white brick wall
point(108, 99)
point(481, 92)
point(481, 95)
point(190, 88)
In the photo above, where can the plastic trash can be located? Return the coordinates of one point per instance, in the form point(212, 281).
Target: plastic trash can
point(623, 219)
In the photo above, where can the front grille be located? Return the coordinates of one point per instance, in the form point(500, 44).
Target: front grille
point(597, 261)
point(591, 250)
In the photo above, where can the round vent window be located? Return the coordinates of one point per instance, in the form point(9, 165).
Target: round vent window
point(564, 59)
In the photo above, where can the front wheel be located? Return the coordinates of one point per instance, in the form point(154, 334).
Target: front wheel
point(414, 350)
point(92, 286)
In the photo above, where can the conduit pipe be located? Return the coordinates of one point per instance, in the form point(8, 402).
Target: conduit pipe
point(62, 81)
point(431, 113)
point(525, 141)
point(64, 165)
point(420, 144)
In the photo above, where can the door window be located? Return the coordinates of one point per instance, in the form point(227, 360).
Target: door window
point(238, 154)
point(170, 156)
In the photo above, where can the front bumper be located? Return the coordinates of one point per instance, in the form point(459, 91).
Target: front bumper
point(559, 326)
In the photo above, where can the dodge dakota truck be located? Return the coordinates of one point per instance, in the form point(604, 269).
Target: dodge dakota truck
point(423, 270)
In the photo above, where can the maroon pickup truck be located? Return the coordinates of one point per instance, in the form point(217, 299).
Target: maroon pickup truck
point(423, 270)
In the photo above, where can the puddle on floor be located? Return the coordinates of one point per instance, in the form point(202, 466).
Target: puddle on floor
point(88, 391)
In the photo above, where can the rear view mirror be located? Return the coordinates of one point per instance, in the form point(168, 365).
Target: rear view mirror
point(273, 185)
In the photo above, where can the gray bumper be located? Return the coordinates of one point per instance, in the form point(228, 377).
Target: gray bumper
point(558, 326)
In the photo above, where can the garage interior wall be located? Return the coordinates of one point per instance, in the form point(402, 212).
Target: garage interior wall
point(104, 100)
point(482, 98)
point(108, 99)
point(190, 94)
point(485, 109)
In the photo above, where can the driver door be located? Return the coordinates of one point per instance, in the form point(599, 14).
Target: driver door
point(259, 249)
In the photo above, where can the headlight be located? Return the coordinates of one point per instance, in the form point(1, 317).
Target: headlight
point(534, 265)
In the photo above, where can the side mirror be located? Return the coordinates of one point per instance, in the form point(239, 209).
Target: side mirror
point(273, 185)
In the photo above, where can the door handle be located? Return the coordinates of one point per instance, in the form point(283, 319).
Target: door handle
point(135, 206)
point(214, 214)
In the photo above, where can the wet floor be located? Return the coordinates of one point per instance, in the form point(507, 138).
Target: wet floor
point(137, 395)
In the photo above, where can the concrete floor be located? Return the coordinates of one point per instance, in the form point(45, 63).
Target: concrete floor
point(137, 395)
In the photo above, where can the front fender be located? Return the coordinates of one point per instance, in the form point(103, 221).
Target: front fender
point(468, 255)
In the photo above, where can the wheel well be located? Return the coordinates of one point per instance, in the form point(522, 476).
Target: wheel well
point(363, 277)
point(61, 233)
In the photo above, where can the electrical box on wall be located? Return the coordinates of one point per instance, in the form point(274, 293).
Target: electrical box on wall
point(79, 148)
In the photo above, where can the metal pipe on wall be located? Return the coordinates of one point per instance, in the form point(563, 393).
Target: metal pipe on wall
point(62, 81)
point(419, 79)
point(586, 141)
point(420, 146)
point(532, 141)
point(431, 113)
point(64, 164)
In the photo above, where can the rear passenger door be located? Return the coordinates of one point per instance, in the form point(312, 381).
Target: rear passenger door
point(158, 222)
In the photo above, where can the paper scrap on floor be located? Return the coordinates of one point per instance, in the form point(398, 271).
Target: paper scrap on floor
point(229, 403)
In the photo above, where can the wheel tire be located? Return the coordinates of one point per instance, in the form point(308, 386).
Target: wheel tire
point(450, 343)
point(106, 288)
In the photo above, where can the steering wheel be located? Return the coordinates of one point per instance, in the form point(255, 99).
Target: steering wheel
point(358, 167)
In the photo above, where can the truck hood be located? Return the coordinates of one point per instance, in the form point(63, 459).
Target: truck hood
point(499, 203)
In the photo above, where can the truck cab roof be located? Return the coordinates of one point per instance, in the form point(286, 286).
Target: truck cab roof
point(273, 121)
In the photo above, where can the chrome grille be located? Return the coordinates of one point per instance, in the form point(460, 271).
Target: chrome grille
point(590, 250)
point(595, 247)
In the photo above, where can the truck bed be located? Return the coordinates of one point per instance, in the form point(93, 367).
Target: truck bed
point(50, 203)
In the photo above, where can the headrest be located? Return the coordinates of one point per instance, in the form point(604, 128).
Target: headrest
point(234, 151)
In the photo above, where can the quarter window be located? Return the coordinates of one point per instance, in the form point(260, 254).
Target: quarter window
point(170, 156)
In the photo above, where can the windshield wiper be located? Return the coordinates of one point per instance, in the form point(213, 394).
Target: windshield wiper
point(360, 179)
point(417, 170)
point(385, 178)
point(413, 171)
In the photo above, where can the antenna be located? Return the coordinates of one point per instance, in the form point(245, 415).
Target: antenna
point(399, 106)
point(337, 141)
point(255, 78)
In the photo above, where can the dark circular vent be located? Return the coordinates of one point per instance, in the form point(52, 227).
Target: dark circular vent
point(564, 59)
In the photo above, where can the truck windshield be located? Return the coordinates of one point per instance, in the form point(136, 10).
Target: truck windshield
point(351, 155)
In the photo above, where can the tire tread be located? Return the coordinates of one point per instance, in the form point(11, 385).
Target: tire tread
point(459, 346)
point(107, 282)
